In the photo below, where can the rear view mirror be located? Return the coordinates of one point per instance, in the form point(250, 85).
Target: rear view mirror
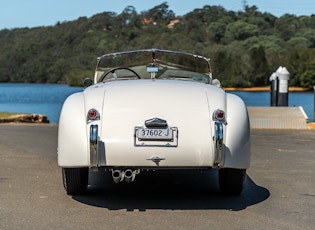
point(152, 69)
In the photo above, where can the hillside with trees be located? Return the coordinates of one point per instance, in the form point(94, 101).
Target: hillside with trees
point(245, 47)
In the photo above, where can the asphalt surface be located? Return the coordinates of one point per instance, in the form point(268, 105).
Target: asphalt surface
point(279, 191)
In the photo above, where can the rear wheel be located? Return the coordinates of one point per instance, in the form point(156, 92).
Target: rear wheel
point(75, 180)
point(231, 180)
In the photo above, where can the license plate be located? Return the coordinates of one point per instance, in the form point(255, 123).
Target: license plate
point(155, 134)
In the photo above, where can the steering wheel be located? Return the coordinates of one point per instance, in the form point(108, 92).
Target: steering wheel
point(113, 70)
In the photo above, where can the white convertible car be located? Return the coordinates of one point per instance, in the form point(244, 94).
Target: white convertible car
point(153, 109)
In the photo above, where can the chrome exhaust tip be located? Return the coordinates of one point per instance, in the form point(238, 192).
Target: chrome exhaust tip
point(118, 176)
point(129, 175)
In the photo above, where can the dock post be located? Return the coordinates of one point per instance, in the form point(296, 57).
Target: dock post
point(283, 95)
point(274, 89)
point(279, 88)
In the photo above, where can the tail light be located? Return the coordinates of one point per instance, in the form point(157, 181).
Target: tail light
point(92, 115)
point(219, 115)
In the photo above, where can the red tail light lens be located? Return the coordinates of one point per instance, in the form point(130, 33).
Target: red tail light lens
point(219, 115)
point(93, 114)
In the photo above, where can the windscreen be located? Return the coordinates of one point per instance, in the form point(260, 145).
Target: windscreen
point(170, 64)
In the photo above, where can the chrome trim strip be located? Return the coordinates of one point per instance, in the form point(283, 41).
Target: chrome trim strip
point(94, 146)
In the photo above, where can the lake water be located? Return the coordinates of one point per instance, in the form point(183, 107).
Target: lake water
point(48, 99)
point(35, 98)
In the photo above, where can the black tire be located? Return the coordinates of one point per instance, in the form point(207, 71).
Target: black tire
point(75, 180)
point(232, 181)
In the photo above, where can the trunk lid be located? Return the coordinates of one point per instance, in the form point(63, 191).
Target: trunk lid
point(183, 105)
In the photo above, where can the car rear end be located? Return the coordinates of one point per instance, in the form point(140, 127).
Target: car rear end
point(154, 124)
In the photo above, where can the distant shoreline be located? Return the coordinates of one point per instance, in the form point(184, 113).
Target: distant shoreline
point(22, 118)
point(265, 89)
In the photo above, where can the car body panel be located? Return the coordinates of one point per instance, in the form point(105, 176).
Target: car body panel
point(72, 134)
point(123, 105)
point(125, 108)
point(237, 141)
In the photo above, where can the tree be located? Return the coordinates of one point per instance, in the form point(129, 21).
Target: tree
point(308, 78)
point(160, 14)
point(216, 31)
point(287, 26)
point(243, 46)
point(239, 30)
point(299, 42)
point(259, 67)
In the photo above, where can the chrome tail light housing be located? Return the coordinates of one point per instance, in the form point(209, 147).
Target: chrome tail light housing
point(92, 115)
point(219, 115)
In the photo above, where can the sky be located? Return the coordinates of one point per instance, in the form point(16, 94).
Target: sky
point(34, 13)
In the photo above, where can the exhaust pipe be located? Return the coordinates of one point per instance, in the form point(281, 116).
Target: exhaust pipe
point(129, 175)
point(118, 176)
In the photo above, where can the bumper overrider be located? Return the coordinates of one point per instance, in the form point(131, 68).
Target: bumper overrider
point(118, 175)
point(218, 144)
point(219, 121)
point(94, 158)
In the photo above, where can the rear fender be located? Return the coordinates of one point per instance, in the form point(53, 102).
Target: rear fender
point(237, 145)
point(72, 133)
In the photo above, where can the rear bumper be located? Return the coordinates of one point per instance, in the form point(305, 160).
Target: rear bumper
point(156, 161)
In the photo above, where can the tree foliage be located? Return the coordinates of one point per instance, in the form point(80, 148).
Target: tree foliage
point(245, 47)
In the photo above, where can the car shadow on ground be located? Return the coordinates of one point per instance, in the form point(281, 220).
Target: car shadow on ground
point(168, 190)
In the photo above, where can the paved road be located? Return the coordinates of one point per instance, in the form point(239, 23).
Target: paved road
point(279, 191)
